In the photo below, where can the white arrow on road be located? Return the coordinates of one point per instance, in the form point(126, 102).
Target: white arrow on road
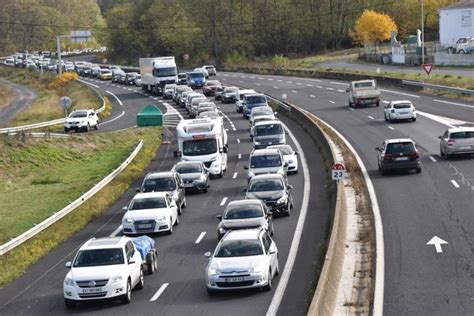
point(437, 242)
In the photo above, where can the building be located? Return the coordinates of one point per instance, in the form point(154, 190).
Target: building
point(456, 21)
point(81, 36)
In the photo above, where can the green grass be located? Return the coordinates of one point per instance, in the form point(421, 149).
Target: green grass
point(45, 175)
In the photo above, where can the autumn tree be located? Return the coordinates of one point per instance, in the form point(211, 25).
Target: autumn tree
point(373, 27)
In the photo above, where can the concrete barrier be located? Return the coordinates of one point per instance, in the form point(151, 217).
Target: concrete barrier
point(446, 59)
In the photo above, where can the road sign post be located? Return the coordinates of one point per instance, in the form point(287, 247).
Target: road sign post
point(65, 103)
point(338, 171)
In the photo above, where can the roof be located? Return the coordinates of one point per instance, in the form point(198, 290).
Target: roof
point(264, 151)
point(266, 176)
point(268, 122)
point(461, 129)
point(460, 5)
point(104, 242)
point(399, 140)
point(149, 195)
point(242, 234)
point(245, 202)
point(246, 91)
point(401, 101)
point(188, 162)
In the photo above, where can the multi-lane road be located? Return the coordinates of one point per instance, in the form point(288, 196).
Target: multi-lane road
point(178, 288)
point(414, 208)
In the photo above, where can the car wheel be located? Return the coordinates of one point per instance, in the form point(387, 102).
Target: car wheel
point(418, 170)
point(272, 231)
point(220, 174)
point(66, 130)
point(383, 171)
point(70, 303)
point(288, 210)
point(413, 119)
point(268, 287)
point(277, 269)
point(151, 262)
point(141, 281)
point(184, 203)
point(88, 128)
point(461, 51)
point(377, 104)
point(127, 297)
point(447, 156)
point(176, 222)
point(385, 117)
point(96, 127)
point(180, 211)
point(170, 231)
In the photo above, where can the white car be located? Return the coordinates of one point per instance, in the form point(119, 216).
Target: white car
point(258, 119)
point(9, 61)
point(69, 66)
point(168, 91)
point(150, 212)
point(243, 259)
point(81, 120)
point(263, 161)
point(103, 268)
point(290, 157)
point(259, 111)
point(399, 110)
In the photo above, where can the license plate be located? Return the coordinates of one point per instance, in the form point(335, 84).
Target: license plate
point(464, 147)
point(145, 226)
point(403, 113)
point(401, 158)
point(234, 279)
point(92, 290)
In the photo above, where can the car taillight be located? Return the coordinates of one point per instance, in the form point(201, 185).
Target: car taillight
point(451, 142)
point(387, 157)
point(414, 154)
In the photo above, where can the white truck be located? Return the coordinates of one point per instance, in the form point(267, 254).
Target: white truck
point(203, 140)
point(156, 72)
point(363, 92)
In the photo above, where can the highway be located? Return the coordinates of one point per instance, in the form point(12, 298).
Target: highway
point(178, 288)
point(414, 208)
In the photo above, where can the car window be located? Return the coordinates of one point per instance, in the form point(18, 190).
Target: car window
point(265, 161)
point(400, 148)
point(402, 106)
point(266, 242)
point(239, 248)
point(159, 184)
point(188, 168)
point(147, 203)
point(243, 211)
point(266, 185)
point(363, 84)
point(268, 129)
point(99, 257)
point(462, 135)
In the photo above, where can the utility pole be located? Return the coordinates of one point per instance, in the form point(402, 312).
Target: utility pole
point(422, 34)
point(58, 46)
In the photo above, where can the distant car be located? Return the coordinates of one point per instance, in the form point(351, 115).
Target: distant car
point(230, 94)
point(69, 67)
point(9, 61)
point(239, 106)
point(456, 141)
point(264, 161)
point(196, 79)
point(138, 81)
point(81, 120)
point(103, 268)
point(182, 78)
point(95, 71)
point(179, 90)
point(261, 111)
point(210, 87)
point(398, 154)
point(194, 104)
point(258, 119)
point(251, 101)
point(151, 212)
point(116, 74)
point(194, 174)
point(211, 70)
point(242, 214)
point(203, 71)
point(122, 78)
point(363, 92)
point(399, 110)
point(105, 74)
point(218, 93)
point(273, 190)
point(131, 78)
point(267, 133)
point(168, 90)
point(290, 156)
point(167, 181)
point(243, 259)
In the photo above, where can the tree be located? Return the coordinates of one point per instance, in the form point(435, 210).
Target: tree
point(373, 27)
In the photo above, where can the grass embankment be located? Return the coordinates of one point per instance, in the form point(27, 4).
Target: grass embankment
point(40, 176)
point(46, 106)
point(7, 95)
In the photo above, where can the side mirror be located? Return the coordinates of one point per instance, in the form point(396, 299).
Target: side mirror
point(138, 190)
point(207, 254)
point(177, 154)
point(68, 265)
point(440, 137)
point(131, 261)
point(246, 167)
point(269, 214)
point(290, 186)
point(348, 90)
point(219, 217)
point(244, 190)
point(125, 208)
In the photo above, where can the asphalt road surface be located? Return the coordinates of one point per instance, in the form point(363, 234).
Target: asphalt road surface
point(181, 256)
point(24, 97)
point(414, 207)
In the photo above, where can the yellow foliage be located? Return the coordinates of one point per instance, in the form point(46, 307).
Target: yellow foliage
point(63, 80)
point(373, 27)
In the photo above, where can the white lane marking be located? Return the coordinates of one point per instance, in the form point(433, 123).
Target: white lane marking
point(339, 90)
point(239, 156)
point(371, 117)
point(241, 81)
point(339, 83)
point(317, 80)
point(235, 175)
point(436, 118)
point(118, 100)
point(330, 89)
point(433, 159)
point(309, 85)
point(390, 127)
point(295, 243)
point(260, 78)
point(116, 231)
point(115, 118)
point(454, 103)
point(90, 84)
point(223, 201)
point(319, 87)
point(159, 292)
point(243, 76)
point(401, 93)
point(201, 236)
point(280, 80)
point(270, 79)
point(299, 83)
point(130, 89)
point(332, 102)
point(257, 84)
point(386, 102)
point(252, 77)
point(294, 91)
point(155, 99)
point(351, 109)
point(313, 96)
point(289, 82)
point(238, 141)
point(455, 184)
point(275, 87)
point(172, 111)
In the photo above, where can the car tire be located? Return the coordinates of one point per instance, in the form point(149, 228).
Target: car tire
point(461, 51)
point(180, 211)
point(377, 104)
point(383, 171)
point(141, 281)
point(151, 262)
point(183, 205)
point(88, 128)
point(127, 297)
point(220, 175)
point(418, 170)
point(272, 231)
point(385, 117)
point(170, 231)
point(277, 271)
point(288, 210)
point(413, 119)
point(66, 130)
point(70, 303)
point(176, 222)
point(268, 287)
point(96, 127)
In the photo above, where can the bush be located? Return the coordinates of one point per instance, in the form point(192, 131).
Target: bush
point(236, 59)
point(63, 80)
point(279, 61)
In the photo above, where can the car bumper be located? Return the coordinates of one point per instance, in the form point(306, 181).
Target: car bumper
point(75, 127)
point(235, 282)
point(401, 165)
point(460, 150)
point(367, 101)
point(109, 291)
point(292, 167)
point(131, 229)
point(195, 185)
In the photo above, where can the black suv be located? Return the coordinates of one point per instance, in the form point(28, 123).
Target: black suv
point(398, 154)
point(169, 181)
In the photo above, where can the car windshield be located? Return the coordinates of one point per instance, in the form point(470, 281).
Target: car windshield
point(256, 99)
point(196, 75)
point(262, 110)
point(78, 114)
point(400, 148)
point(462, 135)
point(286, 150)
point(181, 76)
point(239, 248)
point(268, 129)
point(265, 161)
point(105, 71)
point(231, 90)
point(147, 203)
point(199, 147)
point(363, 85)
point(165, 72)
point(188, 168)
point(212, 83)
point(243, 211)
point(402, 106)
point(99, 257)
point(159, 185)
point(210, 114)
point(260, 185)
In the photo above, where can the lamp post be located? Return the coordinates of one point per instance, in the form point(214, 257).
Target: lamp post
point(422, 34)
point(58, 44)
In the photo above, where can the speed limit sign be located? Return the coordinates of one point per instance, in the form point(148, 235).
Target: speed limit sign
point(338, 171)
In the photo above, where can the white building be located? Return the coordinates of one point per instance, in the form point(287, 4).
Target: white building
point(455, 21)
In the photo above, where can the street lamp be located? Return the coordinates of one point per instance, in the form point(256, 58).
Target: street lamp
point(58, 44)
point(422, 35)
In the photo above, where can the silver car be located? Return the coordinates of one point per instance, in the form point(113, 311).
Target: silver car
point(459, 140)
point(194, 174)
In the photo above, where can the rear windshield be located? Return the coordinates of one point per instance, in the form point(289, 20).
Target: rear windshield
point(266, 161)
point(402, 106)
point(78, 114)
point(243, 211)
point(268, 129)
point(462, 135)
point(147, 203)
point(159, 184)
point(266, 185)
point(400, 148)
point(363, 85)
point(188, 168)
point(256, 99)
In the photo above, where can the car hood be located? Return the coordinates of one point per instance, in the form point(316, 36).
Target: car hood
point(263, 195)
point(278, 169)
point(147, 214)
point(243, 223)
point(236, 264)
point(76, 120)
point(190, 176)
point(95, 273)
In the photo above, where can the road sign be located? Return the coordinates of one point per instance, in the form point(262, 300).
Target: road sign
point(338, 171)
point(65, 103)
point(427, 68)
point(185, 56)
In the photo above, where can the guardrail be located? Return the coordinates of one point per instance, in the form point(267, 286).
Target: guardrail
point(8, 130)
point(71, 207)
point(422, 84)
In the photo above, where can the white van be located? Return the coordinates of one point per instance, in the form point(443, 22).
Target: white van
point(267, 133)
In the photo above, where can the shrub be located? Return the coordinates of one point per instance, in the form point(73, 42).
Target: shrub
point(279, 61)
point(63, 80)
point(236, 59)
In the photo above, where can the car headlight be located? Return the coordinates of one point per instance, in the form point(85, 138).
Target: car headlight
point(128, 220)
point(161, 218)
point(116, 279)
point(282, 200)
point(222, 230)
point(69, 281)
point(257, 269)
point(213, 270)
point(257, 143)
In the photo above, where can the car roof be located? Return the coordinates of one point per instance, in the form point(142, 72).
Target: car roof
point(268, 122)
point(188, 162)
point(264, 152)
point(280, 146)
point(400, 101)
point(105, 242)
point(399, 140)
point(243, 234)
point(163, 174)
point(460, 129)
point(266, 177)
point(255, 95)
point(245, 202)
point(150, 195)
